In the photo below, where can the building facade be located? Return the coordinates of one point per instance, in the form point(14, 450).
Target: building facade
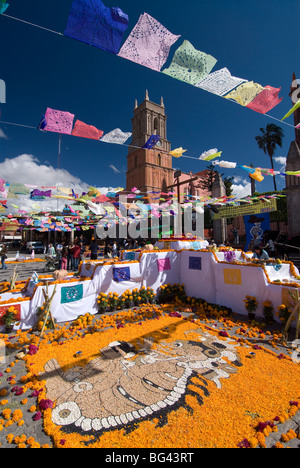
point(293, 164)
point(152, 170)
point(149, 170)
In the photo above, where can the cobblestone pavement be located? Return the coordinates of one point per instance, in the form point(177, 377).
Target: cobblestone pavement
point(24, 270)
point(34, 429)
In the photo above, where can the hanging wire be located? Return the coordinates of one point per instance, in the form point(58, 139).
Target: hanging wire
point(120, 144)
point(32, 24)
point(61, 34)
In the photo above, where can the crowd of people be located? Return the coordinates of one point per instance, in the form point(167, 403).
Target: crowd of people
point(70, 255)
point(263, 249)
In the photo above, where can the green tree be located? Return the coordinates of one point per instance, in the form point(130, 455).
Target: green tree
point(271, 137)
point(207, 183)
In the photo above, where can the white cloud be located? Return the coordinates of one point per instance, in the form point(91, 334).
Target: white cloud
point(116, 171)
point(2, 135)
point(26, 169)
point(241, 190)
point(280, 160)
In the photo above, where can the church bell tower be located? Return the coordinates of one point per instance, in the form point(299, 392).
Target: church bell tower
point(149, 170)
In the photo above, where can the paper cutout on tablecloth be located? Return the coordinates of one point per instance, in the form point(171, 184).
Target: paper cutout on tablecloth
point(58, 121)
point(178, 152)
point(232, 276)
point(91, 22)
point(195, 263)
point(220, 82)
point(190, 65)
point(163, 264)
point(153, 140)
point(121, 274)
point(83, 130)
point(3, 310)
point(229, 256)
point(71, 293)
point(116, 136)
point(148, 44)
point(266, 100)
point(292, 110)
point(245, 93)
point(129, 256)
point(3, 6)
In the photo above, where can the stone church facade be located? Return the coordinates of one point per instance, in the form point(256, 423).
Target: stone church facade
point(152, 170)
point(149, 170)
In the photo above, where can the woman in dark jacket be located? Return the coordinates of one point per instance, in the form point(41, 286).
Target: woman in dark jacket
point(3, 257)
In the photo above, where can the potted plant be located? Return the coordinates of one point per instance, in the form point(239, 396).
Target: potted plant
point(10, 318)
point(251, 305)
point(284, 313)
point(149, 295)
point(102, 302)
point(268, 310)
point(165, 294)
point(137, 299)
point(113, 301)
point(126, 300)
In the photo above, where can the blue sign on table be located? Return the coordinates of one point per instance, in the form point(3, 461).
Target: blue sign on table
point(195, 263)
point(121, 274)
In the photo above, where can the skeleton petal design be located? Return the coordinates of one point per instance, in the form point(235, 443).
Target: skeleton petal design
point(123, 386)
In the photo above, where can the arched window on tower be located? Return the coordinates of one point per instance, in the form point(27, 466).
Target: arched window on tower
point(155, 126)
point(135, 161)
point(159, 159)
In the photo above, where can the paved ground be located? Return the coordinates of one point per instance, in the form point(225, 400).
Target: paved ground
point(34, 429)
point(24, 270)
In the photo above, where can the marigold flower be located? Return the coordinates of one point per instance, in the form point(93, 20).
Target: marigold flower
point(6, 414)
point(10, 438)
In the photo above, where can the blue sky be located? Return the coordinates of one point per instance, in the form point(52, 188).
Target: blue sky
point(255, 40)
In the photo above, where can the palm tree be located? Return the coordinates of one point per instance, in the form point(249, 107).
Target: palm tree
point(271, 137)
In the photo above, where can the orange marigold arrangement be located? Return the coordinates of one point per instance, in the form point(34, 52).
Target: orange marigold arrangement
point(274, 399)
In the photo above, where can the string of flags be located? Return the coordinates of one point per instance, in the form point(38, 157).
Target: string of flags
point(62, 122)
point(149, 44)
point(3, 6)
point(113, 211)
